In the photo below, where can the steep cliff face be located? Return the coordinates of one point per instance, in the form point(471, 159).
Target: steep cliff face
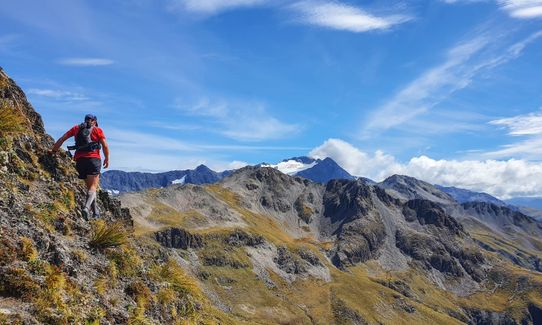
point(57, 268)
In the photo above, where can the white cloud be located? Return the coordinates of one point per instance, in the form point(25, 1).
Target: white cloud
point(243, 121)
point(527, 125)
point(463, 63)
point(339, 16)
point(213, 6)
point(355, 161)
point(57, 94)
point(523, 9)
point(221, 165)
point(501, 178)
point(86, 61)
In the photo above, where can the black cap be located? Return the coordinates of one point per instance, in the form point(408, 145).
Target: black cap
point(90, 117)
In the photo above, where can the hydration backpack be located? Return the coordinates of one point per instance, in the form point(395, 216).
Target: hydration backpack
point(83, 142)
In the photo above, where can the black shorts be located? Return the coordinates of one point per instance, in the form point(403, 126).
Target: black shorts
point(88, 166)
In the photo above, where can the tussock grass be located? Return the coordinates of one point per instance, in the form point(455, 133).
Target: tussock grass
point(176, 278)
point(28, 251)
point(180, 295)
point(124, 261)
point(106, 235)
point(11, 121)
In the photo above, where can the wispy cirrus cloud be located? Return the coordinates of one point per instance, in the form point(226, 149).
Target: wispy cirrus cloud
point(462, 64)
point(210, 7)
point(239, 120)
point(335, 15)
point(85, 62)
point(524, 9)
point(57, 94)
point(528, 126)
point(521, 9)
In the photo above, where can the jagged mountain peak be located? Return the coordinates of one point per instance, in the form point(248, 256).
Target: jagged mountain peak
point(408, 188)
point(324, 171)
point(203, 168)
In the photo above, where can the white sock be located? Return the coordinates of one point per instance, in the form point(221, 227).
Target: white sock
point(91, 196)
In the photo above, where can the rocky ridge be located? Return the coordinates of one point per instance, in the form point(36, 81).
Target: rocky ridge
point(56, 267)
point(257, 247)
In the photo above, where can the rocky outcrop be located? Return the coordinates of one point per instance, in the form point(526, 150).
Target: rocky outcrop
point(178, 238)
point(430, 213)
point(503, 216)
point(349, 208)
point(409, 188)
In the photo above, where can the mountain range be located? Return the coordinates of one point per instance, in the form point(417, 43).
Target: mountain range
point(258, 246)
point(317, 170)
point(118, 181)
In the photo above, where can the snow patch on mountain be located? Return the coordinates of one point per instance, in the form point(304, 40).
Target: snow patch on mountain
point(181, 180)
point(292, 167)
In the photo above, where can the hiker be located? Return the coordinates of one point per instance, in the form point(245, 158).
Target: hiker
point(89, 138)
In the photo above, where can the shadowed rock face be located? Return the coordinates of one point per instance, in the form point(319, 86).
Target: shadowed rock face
point(501, 215)
point(353, 218)
point(430, 213)
point(178, 238)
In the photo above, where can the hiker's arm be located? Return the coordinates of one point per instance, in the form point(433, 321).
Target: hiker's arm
point(59, 142)
point(105, 148)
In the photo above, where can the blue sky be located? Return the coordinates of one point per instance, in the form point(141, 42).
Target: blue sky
point(447, 91)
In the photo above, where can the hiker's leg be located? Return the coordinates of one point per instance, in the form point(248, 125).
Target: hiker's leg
point(92, 184)
point(94, 205)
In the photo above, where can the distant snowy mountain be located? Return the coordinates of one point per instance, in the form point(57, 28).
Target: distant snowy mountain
point(462, 195)
point(317, 170)
point(118, 181)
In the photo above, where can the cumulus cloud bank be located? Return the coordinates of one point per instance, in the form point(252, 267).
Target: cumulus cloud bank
point(501, 178)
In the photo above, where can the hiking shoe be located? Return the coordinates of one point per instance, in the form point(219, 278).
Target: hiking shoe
point(95, 210)
point(85, 213)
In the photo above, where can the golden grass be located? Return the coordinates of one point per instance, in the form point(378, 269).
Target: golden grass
point(125, 261)
point(169, 217)
point(106, 235)
point(258, 223)
point(377, 303)
point(501, 244)
point(11, 121)
point(28, 251)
